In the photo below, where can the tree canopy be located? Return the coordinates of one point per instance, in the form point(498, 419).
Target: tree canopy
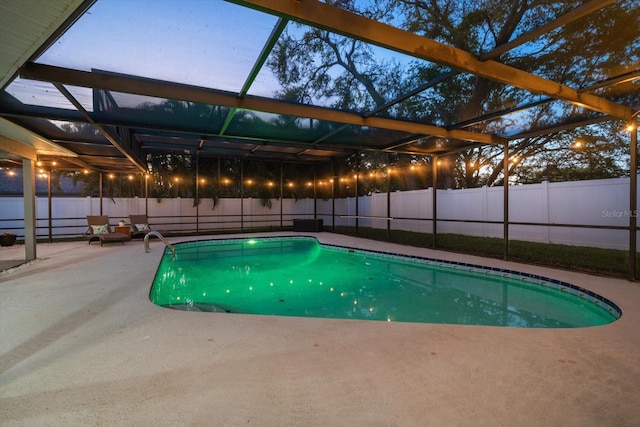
point(316, 66)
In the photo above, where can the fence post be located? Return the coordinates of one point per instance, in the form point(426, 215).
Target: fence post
point(485, 210)
point(334, 184)
point(633, 202)
point(29, 194)
point(49, 208)
point(100, 190)
point(356, 193)
point(388, 197)
point(545, 209)
point(505, 189)
point(434, 198)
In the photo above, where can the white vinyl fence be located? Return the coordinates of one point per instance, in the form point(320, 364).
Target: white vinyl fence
point(600, 203)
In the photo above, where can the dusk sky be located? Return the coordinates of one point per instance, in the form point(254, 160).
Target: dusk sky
point(211, 44)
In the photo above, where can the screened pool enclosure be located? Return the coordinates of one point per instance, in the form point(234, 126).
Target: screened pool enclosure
point(308, 99)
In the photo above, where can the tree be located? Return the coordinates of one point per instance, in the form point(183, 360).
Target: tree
point(593, 152)
point(315, 66)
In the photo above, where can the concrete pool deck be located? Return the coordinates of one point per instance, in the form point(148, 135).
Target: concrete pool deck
point(81, 344)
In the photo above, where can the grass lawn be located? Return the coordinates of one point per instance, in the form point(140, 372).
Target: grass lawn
point(609, 262)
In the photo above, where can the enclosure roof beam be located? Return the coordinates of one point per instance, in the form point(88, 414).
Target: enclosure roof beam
point(571, 16)
point(559, 128)
point(162, 89)
point(79, 162)
point(264, 54)
point(16, 148)
point(623, 78)
point(121, 147)
point(349, 24)
point(266, 51)
point(431, 83)
point(567, 18)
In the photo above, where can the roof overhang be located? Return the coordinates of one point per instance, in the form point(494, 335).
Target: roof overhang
point(17, 141)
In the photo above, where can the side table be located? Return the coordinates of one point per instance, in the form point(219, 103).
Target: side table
point(124, 230)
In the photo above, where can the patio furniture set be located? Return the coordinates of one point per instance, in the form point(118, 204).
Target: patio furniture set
point(100, 230)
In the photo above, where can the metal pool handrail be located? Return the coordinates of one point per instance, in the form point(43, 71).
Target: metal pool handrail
point(159, 236)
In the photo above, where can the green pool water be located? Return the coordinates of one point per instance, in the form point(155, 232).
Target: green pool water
point(297, 276)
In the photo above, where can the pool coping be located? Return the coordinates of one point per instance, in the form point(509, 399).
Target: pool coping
point(80, 343)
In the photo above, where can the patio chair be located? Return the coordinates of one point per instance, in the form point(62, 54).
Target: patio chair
point(139, 225)
point(99, 229)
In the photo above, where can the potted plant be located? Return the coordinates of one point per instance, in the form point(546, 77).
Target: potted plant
point(7, 239)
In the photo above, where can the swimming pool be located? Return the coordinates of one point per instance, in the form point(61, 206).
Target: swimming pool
point(298, 276)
